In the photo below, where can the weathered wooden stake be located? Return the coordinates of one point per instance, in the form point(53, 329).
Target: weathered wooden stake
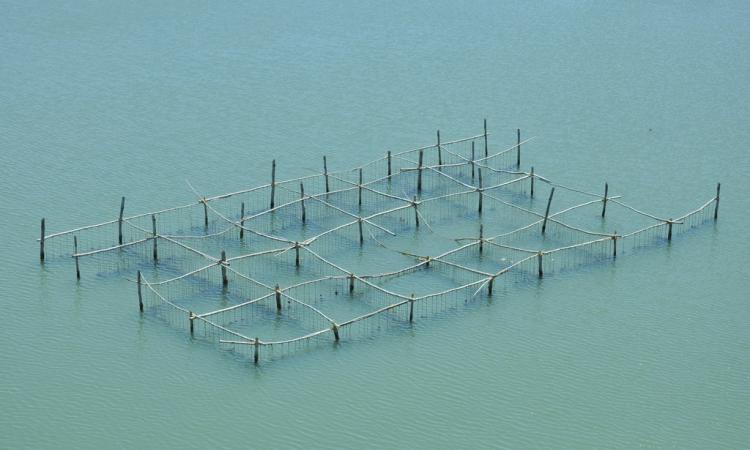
point(325, 172)
point(361, 236)
point(242, 221)
point(153, 230)
point(389, 165)
point(481, 237)
point(119, 221)
point(486, 151)
point(540, 255)
point(191, 316)
point(224, 279)
point(411, 309)
point(416, 213)
point(41, 243)
point(518, 148)
point(296, 254)
point(669, 229)
point(604, 200)
point(273, 183)
point(614, 245)
point(360, 187)
point(257, 346)
point(716, 209)
point(479, 208)
point(75, 253)
point(351, 282)
point(546, 214)
point(472, 162)
point(302, 201)
point(278, 298)
point(419, 172)
point(440, 150)
point(489, 286)
point(140, 295)
point(532, 181)
point(335, 329)
point(205, 213)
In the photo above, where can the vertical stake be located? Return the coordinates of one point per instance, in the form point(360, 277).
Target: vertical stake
point(472, 162)
point(416, 213)
point(716, 209)
point(41, 243)
point(205, 213)
point(361, 236)
point(479, 208)
point(486, 151)
point(153, 230)
point(360, 187)
point(224, 279)
point(419, 172)
point(302, 197)
point(257, 346)
point(481, 237)
point(440, 150)
point(75, 253)
point(489, 286)
point(546, 214)
point(296, 254)
point(191, 316)
point(351, 282)
point(411, 309)
point(335, 329)
point(669, 232)
point(518, 148)
point(140, 295)
point(278, 298)
point(242, 221)
point(389, 165)
point(325, 172)
point(604, 200)
point(532, 181)
point(539, 256)
point(614, 245)
point(273, 183)
point(119, 222)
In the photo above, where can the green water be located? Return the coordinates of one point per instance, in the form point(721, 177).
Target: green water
point(103, 99)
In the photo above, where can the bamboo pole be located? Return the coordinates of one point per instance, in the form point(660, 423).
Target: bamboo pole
point(155, 238)
point(277, 290)
point(191, 318)
point(518, 148)
point(389, 165)
point(411, 308)
point(41, 243)
point(604, 200)
point(486, 149)
point(716, 208)
point(473, 156)
point(479, 207)
point(119, 221)
point(481, 238)
point(140, 295)
point(75, 252)
point(419, 172)
point(361, 236)
point(540, 255)
point(205, 212)
point(440, 150)
point(273, 183)
point(325, 173)
point(489, 286)
point(257, 346)
point(242, 221)
point(532, 181)
point(416, 212)
point(296, 254)
point(302, 202)
point(335, 330)
point(360, 188)
point(614, 245)
point(351, 282)
point(546, 214)
point(669, 228)
point(223, 262)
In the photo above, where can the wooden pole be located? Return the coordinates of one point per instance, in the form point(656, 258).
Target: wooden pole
point(242, 221)
point(479, 207)
point(360, 187)
point(614, 245)
point(278, 299)
point(296, 254)
point(389, 165)
point(153, 229)
point(257, 346)
point(41, 243)
point(539, 256)
point(140, 295)
point(75, 252)
point(419, 172)
point(486, 151)
point(546, 214)
point(532, 181)
point(481, 238)
point(604, 200)
point(224, 279)
point(518, 148)
point(191, 316)
point(205, 213)
point(473, 156)
point(416, 213)
point(351, 282)
point(411, 309)
point(489, 286)
point(440, 150)
point(335, 329)
point(716, 208)
point(273, 183)
point(302, 197)
point(669, 228)
point(361, 236)
point(325, 172)
point(119, 221)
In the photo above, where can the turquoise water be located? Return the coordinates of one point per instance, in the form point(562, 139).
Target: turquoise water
point(103, 99)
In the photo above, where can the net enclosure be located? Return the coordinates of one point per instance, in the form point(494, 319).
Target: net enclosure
point(342, 255)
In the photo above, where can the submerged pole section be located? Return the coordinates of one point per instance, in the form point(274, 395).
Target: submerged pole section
point(325, 172)
point(153, 229)
point(518, 148)
point(75, 253)
point(604, 200)
point(546, 214)
point(479, 207)
point(273, 183)
point(223, 262)
point(140, 295)
point(419, 172)
point(242, 221)
point(302, 201)
point(389, 165)
point(486, 151)
point(440, 150)
point(539, 256)
point(119, 221)
point(532, 181)
point(716, 209)
point(473, 157)
point(360, 188)
point(41, 243)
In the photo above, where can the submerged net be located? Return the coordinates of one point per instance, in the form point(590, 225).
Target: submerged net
point(292, 265)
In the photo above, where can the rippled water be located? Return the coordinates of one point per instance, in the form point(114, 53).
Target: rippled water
point(103, 99)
